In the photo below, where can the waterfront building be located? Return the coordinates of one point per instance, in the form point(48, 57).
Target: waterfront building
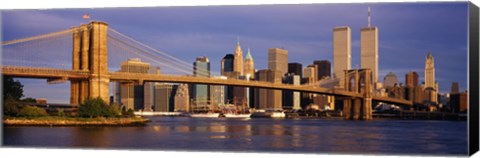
point(324, 102)
point(249, 69)
point(182, 99)
point(238, 59)
point(268, 99)
point(323, 69)
point(369, 49)
point(217, 94)
point(227, 70)
point(341, 52)
point(278, 60)
point(130, 96)
point(390, 80)
point(459, 102)
point(295, 68)
point(200, 93)
point(164, 97)
point(291, 99)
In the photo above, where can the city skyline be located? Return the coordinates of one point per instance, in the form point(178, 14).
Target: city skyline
point(304, 46)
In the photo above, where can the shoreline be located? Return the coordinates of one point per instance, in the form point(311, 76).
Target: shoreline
point(52, 121)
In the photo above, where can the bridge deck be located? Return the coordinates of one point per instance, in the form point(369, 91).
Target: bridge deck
point(29, 72)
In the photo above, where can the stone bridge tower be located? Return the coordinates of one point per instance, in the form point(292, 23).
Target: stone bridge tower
point(358, 81)
point(90, 54)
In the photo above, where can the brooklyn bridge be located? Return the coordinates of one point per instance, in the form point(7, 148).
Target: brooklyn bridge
point(85, 56)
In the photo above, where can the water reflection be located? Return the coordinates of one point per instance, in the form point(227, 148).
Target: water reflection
point(259, 135)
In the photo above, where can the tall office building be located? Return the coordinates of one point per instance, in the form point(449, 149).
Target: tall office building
point(217, 94)
point(227, 63)
point(411, 79)
point(164, 97)
point(249, 69)
point(227, 70)
point(341, 52)
point(390, 80)
point(295, 68)
point(431, 87)
point(278, 60)
point(291, 99)
point(238, 59)
point(310, 73)
point(268, 99)
point(200, 93)
point(324, 69)
point(132, 96)
point(369, 49)
point(182, 99)
point(148, 90)
point(429, 71)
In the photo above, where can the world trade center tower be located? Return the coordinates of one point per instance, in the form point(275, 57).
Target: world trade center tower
point(341, 52)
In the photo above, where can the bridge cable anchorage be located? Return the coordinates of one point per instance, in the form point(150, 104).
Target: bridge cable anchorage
point(144, 51)
point(155, 61)
point(160, 52)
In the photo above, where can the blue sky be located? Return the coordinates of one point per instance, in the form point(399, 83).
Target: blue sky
point(407, 31)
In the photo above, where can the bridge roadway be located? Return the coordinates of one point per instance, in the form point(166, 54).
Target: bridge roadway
point(51, 73)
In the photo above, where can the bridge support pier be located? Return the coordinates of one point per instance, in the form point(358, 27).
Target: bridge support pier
point(358, 81)
point(90, 54)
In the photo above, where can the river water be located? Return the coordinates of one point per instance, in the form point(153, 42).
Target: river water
point(399, 137)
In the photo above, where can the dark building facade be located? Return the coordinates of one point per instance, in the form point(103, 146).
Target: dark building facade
point(458, 102)
point(295, 68)
point(324, 68)
point(164, 100)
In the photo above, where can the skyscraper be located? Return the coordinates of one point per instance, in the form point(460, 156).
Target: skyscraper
point(227, 63)
point(132, 96)
point(341, 52)
point(200, 92)
point(164, 97)
point(278, 60)
point(411, 79)
point(369, 49)
point(182, 99)
point(295, 68)
point(217, 94)
point(227, 70)
point(324, 69)
point(238, 59)
point(249, 69)
point(291, 99)
point(266, 98)
point(429, 71)
point(310, 73)
point(431, 87)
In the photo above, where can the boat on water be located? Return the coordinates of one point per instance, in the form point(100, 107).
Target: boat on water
point(268, 114)
point(205, 115)
point(232, 115)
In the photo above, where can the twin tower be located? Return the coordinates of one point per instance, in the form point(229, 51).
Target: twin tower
point(90, 54)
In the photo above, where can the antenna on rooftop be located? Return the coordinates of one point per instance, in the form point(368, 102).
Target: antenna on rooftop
point(369, 14)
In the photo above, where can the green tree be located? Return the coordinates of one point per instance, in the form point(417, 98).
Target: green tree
point(91, 107)
point(32, 111)
point(12, 88)
point(29, 100)
point(97, 107)
point(11, 106)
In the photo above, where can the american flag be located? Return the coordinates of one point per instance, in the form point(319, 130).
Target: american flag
point(86, 16)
